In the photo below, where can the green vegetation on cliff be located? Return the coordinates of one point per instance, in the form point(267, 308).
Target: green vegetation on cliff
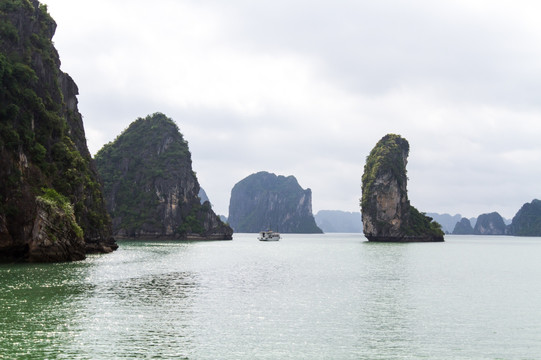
point(388, 156)
point(149, 184)
point(386, 210)
point(42, 141)
point(420, 224)
point(59, 202)
point(120, 167)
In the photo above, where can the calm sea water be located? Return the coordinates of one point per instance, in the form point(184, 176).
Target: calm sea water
point(304, 297)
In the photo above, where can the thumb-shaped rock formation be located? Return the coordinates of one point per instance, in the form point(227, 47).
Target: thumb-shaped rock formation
point(386, 211)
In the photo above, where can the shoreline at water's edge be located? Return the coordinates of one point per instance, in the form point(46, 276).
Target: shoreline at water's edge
point(405, 239)
point(173, 238)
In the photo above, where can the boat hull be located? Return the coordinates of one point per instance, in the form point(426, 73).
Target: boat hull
point(268, 236)
point(269, 239)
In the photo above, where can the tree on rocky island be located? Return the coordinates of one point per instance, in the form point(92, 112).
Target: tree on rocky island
point(387, 214)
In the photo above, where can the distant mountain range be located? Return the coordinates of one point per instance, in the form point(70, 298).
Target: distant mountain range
point(336, 221)
point(527, 222)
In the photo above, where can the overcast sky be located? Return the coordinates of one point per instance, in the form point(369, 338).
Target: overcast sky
point(307, 88)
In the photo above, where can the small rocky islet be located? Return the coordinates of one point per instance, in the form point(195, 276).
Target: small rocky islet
point(387, 214)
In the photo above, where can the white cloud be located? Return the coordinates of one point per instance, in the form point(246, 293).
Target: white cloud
point(324, 81)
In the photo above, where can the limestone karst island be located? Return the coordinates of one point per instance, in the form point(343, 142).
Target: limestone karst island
point(387, 213)
point(150, 188)
point(265, 201)
point(51, 202)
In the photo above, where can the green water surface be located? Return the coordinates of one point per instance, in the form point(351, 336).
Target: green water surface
point(304, 297)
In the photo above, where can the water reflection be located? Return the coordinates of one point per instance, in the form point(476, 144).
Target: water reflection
point(303, 297)
point(142, 310)
point(384, 309)
point(39, 308)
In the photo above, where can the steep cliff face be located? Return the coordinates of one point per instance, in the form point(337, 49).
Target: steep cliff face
point(265, 201)
point(43, 147)
point(150, 187)
point(527, 221)
point(386, 211)
point(463, 227)
point(490, 224)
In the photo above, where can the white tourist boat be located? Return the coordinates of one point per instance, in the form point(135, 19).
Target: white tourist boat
point(269, 236)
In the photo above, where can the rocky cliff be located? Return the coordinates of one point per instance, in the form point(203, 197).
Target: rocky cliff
point(150, 188)
point(386, 211)
point(527, 221)
point(490, 224)
point(264, 201)
point(463, 227)
point(51, 203)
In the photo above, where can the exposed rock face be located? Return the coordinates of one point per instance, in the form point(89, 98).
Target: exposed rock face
point(55, 233)
point(264, 201)
point(151, 190)
point(336, 221)
point(490, 224)
point(527, 221)
point(43, 146)
point(463, 227)
point(386, 211)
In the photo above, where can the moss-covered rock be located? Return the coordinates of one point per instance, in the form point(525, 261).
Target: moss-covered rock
point(386, 211)
point(55, 232)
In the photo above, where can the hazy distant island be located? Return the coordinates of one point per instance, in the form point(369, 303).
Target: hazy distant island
point(485, 224)
point(150, 188)
point(336, 221)
point(463, 227)
point(386, 211)
point(490, 224)
point(446, 221)
point(527, 221)
point(51, 202)
point(265, 201)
